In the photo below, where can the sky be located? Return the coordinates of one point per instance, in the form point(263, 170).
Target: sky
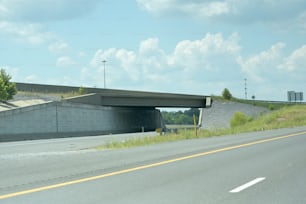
point(178, 46)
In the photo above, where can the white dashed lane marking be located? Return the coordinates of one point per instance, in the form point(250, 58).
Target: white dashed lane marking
point(247, 185)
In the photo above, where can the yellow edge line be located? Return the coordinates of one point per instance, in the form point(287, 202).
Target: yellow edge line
point(34, 190)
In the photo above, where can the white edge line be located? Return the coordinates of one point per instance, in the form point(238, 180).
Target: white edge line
point(247, 185)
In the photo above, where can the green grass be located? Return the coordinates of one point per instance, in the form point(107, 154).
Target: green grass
point(291, 116)
point(58, 95)
point(285, 117)
point(265, 104)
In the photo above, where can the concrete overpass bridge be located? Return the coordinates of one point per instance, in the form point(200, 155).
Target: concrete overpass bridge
point(97, 112)
point(120, 98)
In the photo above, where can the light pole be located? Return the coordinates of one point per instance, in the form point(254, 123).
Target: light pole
point(104, 61)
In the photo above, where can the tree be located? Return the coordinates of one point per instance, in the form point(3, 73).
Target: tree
point(227, 94)
point(180, 117)
point(7, 88)
point(190, 112)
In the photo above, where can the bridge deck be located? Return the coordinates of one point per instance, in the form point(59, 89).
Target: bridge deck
point(124, 98)
point(130, 99)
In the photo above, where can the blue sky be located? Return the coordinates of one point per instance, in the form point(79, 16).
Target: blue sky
point(191, 47)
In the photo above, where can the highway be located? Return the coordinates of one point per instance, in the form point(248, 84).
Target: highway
point(260, 167)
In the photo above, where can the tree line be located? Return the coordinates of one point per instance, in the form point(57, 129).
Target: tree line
point(180, 117)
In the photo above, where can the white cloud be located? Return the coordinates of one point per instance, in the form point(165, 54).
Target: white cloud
point(35, 35)
point(264, 64)
point(148, 46)
point(31, 33)
point(65, 62)
point(197, 8)
point(22, 19)
point(205, 66)
point(190, 65)
point(58, 47)
point(238, 11)
point(44, 10)
point(212, 9)
point(274, 72)
point(198, 52)
point(126, 64)
point(296, 61)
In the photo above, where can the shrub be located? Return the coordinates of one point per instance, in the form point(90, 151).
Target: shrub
point(238, 119)
point(271, 107)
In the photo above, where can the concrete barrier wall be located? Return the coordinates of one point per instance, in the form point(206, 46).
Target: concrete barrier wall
point(44, 88)
point(63, 119)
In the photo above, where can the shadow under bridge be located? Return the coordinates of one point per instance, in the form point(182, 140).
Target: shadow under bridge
point(142, 105)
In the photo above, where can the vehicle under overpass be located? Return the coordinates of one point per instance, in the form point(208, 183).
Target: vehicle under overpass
point(98, 112)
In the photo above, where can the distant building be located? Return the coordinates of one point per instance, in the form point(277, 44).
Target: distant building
point(295, 96)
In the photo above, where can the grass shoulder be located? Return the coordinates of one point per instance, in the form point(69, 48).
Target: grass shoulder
point(285, 117)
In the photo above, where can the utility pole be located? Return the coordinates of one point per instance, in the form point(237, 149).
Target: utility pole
point(104, 61)
point(245, 89)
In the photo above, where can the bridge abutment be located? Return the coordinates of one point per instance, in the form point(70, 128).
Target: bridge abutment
point(64, 119)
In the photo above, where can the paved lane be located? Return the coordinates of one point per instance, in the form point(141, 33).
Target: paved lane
point(64, 144)
point(212, 169)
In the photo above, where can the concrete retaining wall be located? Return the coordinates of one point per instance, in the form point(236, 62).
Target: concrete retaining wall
point(220, 114)
point(63, 119)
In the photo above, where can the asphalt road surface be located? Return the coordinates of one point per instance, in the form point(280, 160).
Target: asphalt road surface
point(262, 167)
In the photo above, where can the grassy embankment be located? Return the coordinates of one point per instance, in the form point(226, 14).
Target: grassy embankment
point(282, 116)
point(287, 116)
point(63, 95)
